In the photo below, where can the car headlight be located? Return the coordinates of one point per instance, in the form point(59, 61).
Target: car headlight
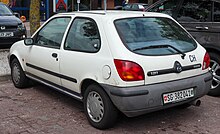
point(21, 26)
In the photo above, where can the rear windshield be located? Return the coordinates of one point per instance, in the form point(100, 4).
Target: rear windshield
point(5, 11)
point(154, 36)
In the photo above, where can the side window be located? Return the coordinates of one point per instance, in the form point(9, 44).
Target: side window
point(127, 7)
point(216, 12)
point(52, 33)
point(135, 7)
point(195, 11)
point(83, 36)
point(167, 7)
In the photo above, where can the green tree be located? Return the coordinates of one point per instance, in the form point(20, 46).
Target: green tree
point(34, 15)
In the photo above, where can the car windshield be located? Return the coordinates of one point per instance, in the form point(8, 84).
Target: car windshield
point(154, 36)
point(5, 11)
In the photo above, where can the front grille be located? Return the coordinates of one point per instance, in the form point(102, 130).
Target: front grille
point(6, 28)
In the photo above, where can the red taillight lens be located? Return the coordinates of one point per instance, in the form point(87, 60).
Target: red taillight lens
point(129, 71)
point(206, 61)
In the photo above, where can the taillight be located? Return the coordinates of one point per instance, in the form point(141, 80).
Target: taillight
point(129, 71)
point(206, 61)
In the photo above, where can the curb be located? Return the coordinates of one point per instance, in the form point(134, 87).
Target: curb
point(5, 78)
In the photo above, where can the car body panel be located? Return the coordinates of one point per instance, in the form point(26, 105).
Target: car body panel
point(69, 70)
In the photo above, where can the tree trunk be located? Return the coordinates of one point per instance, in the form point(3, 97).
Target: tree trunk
point(34, 15)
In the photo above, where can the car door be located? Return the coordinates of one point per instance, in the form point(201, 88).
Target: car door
point(215, 27)
point(169, 7)
point(196, 17)
point(81, 45)
point(43, 58)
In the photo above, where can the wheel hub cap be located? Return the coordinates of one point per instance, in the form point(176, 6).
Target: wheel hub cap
point(95, 106)
point(16, 73)
point(215, 68)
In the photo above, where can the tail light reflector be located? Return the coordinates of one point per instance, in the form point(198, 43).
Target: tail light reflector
point(129, 71)
point(206, 61)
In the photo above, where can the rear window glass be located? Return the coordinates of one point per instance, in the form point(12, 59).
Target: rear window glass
point(154, 36)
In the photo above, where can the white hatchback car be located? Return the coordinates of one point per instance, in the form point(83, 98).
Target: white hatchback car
point(133, 62)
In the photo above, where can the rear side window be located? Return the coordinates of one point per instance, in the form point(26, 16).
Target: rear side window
point(135, 7)
point(83, 36)
point(195, 11)
point(141, 35)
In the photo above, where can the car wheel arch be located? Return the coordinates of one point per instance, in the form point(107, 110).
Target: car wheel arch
point(12, 57)
point(85, 83)
point(212, 49)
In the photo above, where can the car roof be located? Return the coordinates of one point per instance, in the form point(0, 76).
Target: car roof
point(138, 3)
point(113, 14)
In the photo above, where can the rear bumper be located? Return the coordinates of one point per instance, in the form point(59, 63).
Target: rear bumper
point(134, 101)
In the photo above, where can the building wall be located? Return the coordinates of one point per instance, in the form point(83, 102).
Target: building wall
point(5, 1)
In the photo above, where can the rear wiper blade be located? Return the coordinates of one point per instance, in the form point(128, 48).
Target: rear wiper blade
point(162, 46)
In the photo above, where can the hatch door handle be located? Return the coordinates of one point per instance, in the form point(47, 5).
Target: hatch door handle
point(54, 55)
point(202, 28)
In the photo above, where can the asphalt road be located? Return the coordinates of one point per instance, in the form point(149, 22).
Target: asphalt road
point(39, 110)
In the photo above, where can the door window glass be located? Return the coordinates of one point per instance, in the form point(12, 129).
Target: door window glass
point(83, 36)
point(167, 7)
point(51, 35)
point(127, 7)
point(216, 12)
point(195, 11)
point(135, 7)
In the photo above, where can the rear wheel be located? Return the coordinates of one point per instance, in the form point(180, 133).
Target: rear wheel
point(100, 111)
point(17, 74)
point(215, 68)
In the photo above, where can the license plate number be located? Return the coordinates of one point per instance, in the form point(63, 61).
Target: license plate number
point(7, 34)
point(178, 96)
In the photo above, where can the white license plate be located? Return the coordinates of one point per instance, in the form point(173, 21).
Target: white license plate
point(178, 96)
point(6, 34)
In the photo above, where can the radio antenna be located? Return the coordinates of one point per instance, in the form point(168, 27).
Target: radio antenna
point(105, 5)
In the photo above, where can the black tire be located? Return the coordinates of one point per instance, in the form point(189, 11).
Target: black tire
point(17, 75)
point(101, 104)
point(215, 65)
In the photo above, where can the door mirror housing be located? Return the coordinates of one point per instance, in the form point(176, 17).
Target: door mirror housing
point(17, 14)
point(28, 41)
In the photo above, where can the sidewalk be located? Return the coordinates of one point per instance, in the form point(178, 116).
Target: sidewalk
point(4, 66)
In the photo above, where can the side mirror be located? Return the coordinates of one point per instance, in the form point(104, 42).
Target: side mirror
point(28, 41)
point(17, 14)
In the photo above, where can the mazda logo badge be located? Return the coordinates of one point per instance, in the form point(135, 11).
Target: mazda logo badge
point(177, 67)
point(2, 27)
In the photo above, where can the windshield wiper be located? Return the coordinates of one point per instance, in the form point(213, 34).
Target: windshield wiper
point(162, 46)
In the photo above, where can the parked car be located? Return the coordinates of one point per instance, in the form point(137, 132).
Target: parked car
point(11, 28)
point(202, 19)
point(135, 7)
point(136, 62)
point(82, 7)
